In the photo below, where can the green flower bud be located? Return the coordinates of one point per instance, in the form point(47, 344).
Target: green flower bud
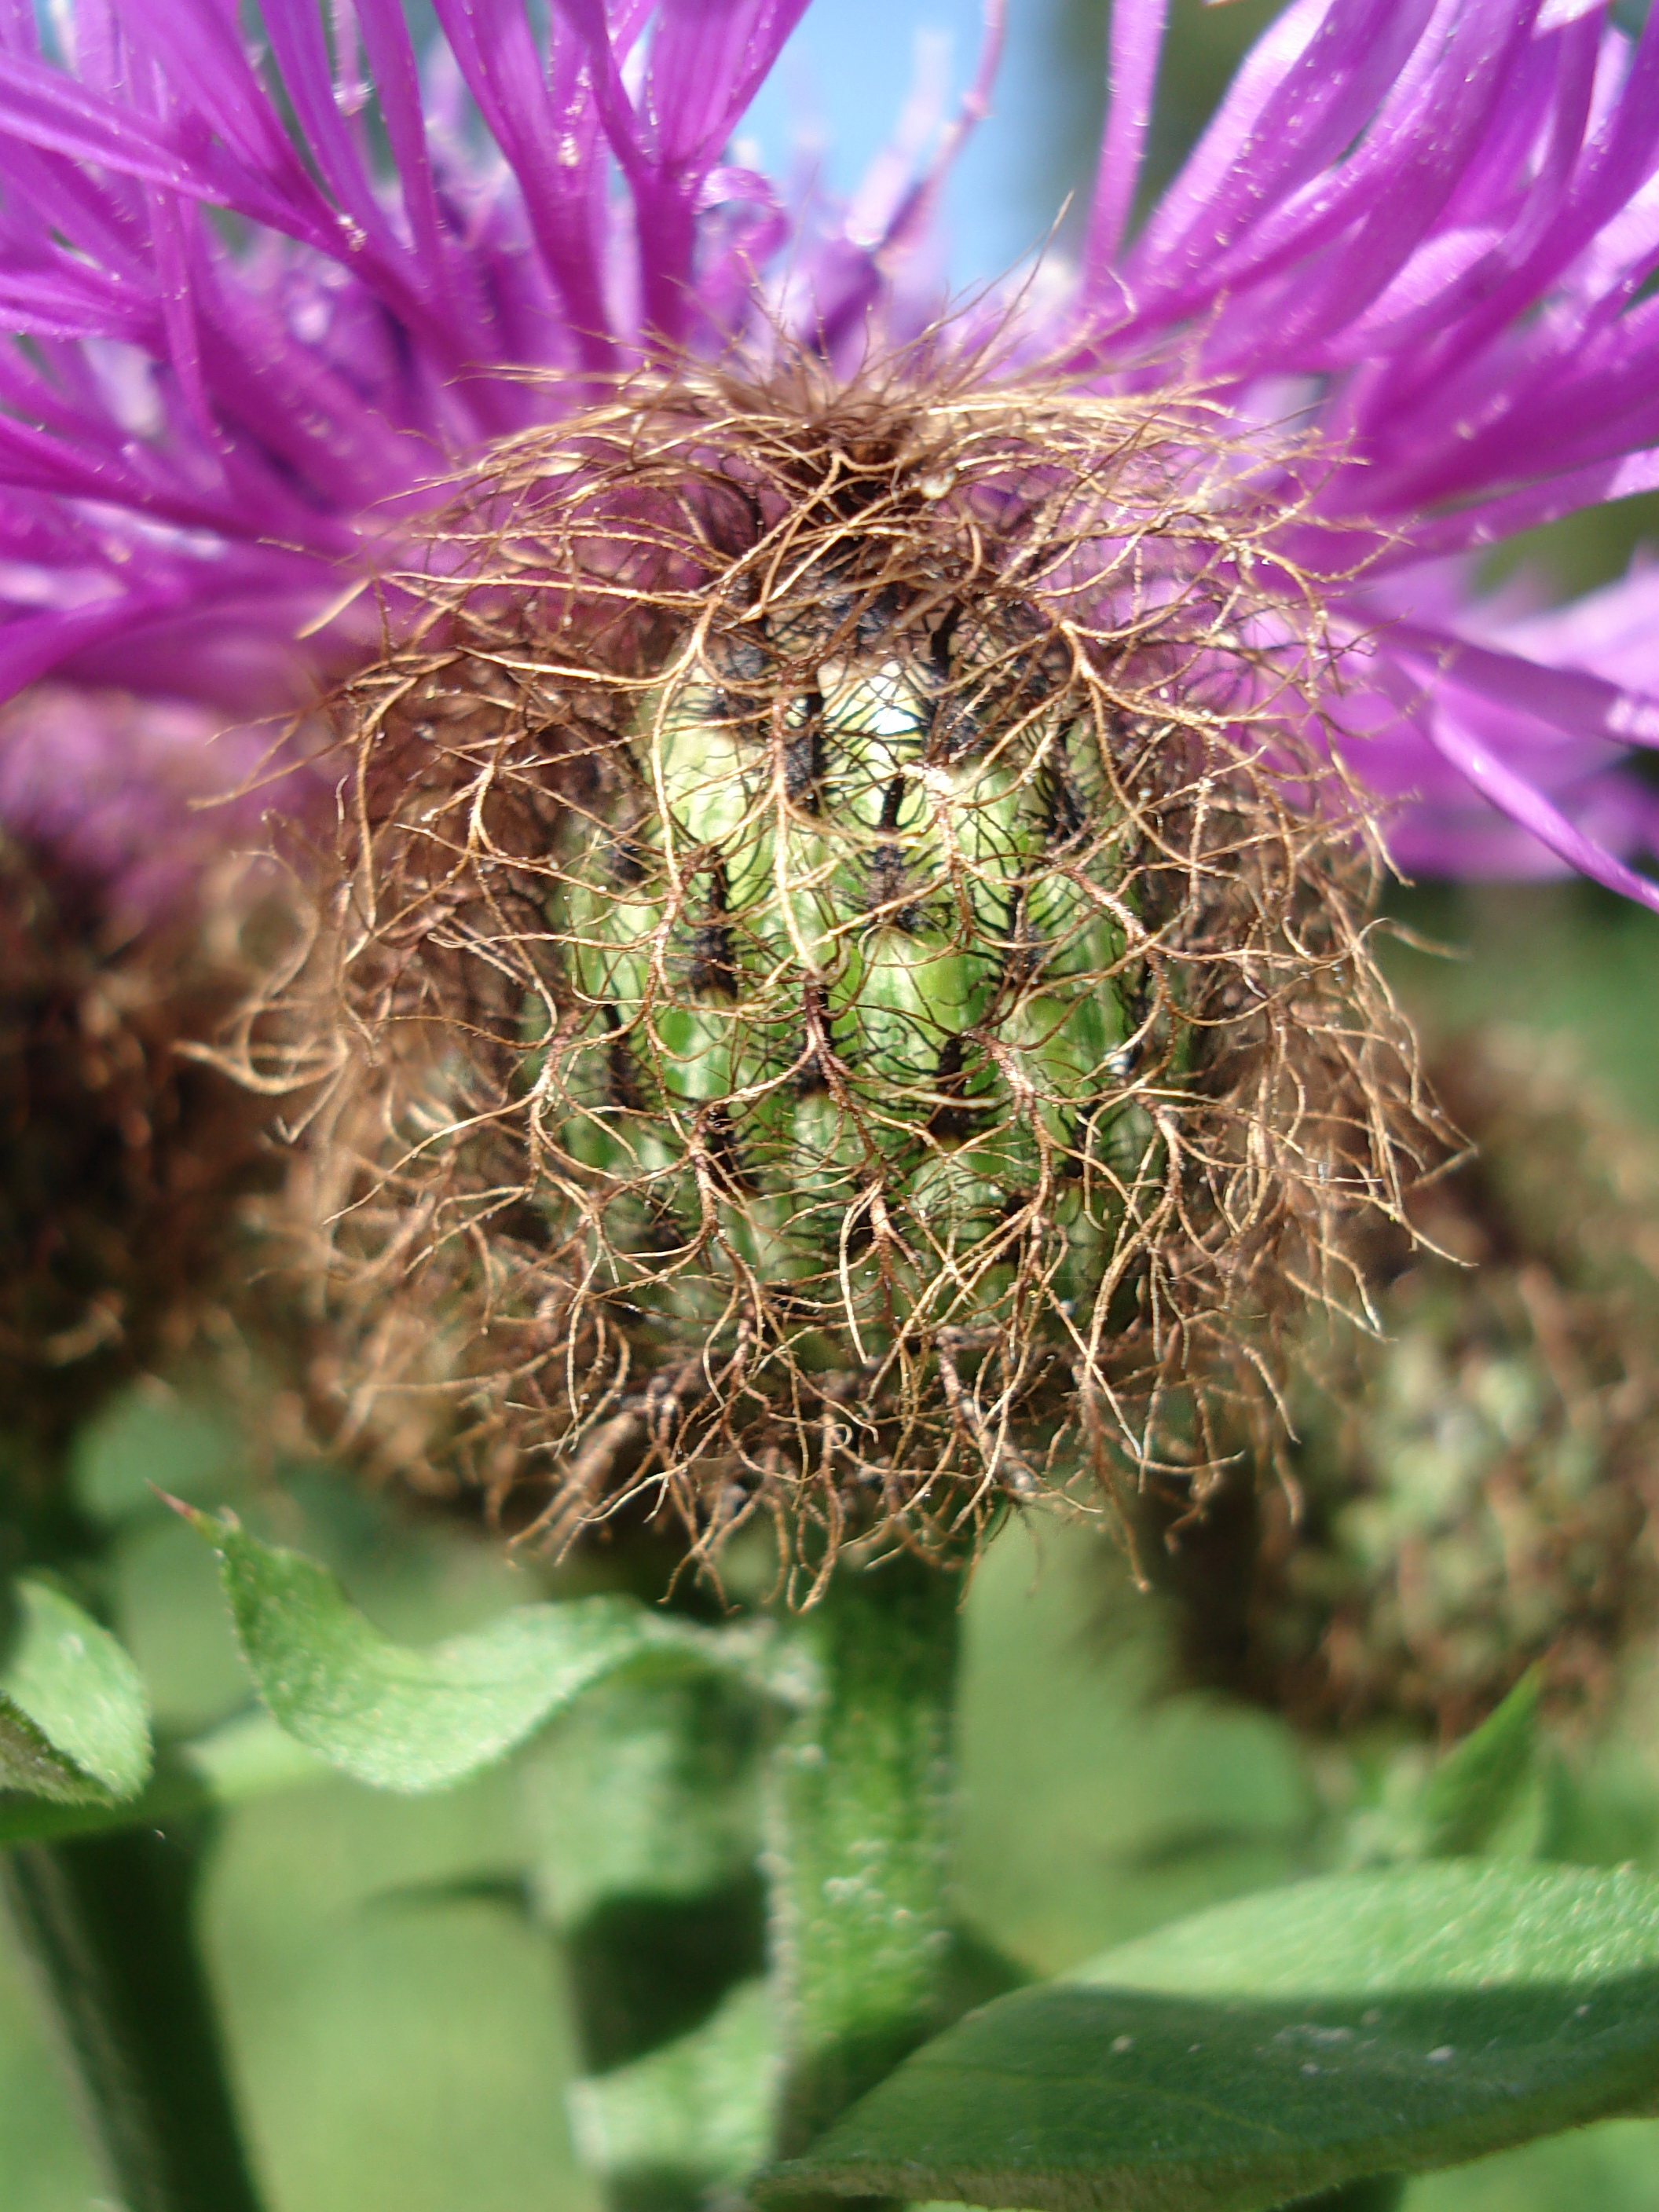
point(848, 962)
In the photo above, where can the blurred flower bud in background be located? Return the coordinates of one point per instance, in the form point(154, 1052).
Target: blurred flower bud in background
point(1473, 1480)
point(125, 1163)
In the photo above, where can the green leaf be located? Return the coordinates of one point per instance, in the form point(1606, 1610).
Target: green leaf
point(1286, 2044)
point(414, 1720)
point(248, 1756)
point(74, 1725)
point(1380, 2192)
point(1477, 1786)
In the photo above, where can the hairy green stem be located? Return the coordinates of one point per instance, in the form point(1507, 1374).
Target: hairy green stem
point(858, 1818)
point(107, 1924)
point(642, 1810)
point(695, 2067)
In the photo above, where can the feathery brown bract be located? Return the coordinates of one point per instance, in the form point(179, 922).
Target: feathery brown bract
point(847, 965)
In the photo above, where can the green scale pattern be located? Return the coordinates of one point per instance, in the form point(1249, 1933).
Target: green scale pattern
point(847, 1030)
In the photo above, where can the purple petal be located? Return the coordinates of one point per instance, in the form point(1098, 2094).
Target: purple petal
point(1512, 795)
point(134, 798)
point(1138, 28)
point(1575, 701)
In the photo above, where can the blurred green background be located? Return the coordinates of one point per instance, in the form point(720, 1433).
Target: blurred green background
point(397, 2027)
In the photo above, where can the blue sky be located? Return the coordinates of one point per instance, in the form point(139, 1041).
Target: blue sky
point(847, 73)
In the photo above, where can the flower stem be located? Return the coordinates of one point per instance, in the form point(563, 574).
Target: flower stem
point(641, 1809)
point(106, 1922)
point(858, 1817)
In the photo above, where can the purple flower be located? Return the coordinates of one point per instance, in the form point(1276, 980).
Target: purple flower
point(267, 293)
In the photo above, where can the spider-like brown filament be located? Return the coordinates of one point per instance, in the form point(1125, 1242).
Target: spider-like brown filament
point(1022, 686)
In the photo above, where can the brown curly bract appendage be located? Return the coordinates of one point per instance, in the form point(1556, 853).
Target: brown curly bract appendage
point(842, 987)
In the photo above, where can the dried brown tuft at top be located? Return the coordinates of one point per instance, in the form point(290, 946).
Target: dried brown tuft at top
point(841, 991)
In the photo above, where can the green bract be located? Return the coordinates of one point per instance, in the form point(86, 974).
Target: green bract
point(848, 1035)
point(847, 968)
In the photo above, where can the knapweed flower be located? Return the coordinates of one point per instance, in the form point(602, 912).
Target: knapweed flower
point(844, 933)
point(1472, 1490)
point(849, 906)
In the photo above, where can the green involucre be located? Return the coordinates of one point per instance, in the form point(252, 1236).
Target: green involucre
point(847, 1022)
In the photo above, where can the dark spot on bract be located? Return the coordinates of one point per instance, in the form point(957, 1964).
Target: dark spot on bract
point(622, 1076)
point(804, 760)
point(952, 1119)
point(713, 969)
point(722, 1148)
point(813, 1073)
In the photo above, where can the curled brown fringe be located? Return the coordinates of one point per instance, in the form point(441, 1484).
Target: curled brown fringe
point(1085, 611)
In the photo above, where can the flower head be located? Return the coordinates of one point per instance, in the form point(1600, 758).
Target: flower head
point(1471, 1493)
point(912, 676)
point(846, 940)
